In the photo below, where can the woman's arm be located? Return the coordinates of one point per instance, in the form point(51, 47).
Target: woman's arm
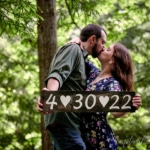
point(119, 114)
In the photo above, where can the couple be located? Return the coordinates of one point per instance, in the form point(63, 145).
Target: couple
point(70, 71)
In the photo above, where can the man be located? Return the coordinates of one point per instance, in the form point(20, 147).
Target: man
point(68, 72)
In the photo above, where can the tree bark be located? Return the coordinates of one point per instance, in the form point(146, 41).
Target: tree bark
point(47, 45)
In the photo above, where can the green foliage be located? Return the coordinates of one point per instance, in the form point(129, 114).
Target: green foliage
point(20, 121)
point(17, 17)
point(68, 15)
point(125, 21)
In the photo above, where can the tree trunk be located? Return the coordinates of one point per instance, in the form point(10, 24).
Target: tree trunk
point(47, 45)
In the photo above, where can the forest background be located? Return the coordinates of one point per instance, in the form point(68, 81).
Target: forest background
point(31, 32)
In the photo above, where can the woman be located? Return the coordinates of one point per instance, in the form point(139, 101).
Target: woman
point(116, 75)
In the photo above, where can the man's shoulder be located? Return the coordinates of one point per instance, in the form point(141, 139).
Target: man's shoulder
point(70, 49)
point(71, 46)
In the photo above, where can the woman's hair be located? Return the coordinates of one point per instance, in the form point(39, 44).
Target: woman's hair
point(123, 70)
point(89, 30)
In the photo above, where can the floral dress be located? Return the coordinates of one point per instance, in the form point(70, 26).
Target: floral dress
point(98, 134)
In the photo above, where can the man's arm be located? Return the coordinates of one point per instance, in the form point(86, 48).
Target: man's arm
point(53, 84)
point(61, 69)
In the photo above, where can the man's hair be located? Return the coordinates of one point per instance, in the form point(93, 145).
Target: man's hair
point(89, 30)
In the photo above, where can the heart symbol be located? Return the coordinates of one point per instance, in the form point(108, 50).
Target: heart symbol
point(104, 100)
point(65, 100)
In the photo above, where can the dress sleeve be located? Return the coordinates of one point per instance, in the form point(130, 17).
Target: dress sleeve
point(113, 85)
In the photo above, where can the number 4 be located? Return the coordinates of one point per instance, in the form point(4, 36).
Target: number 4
point(51, 102)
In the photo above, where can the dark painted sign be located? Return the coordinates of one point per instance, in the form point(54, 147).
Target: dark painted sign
point(81, 101)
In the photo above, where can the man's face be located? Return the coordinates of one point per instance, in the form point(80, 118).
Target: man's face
point(99, 45)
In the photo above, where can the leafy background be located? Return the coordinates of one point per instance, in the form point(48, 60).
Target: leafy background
point(126, 21)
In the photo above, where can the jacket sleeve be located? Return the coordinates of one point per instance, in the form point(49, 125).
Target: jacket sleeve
point(63, 63)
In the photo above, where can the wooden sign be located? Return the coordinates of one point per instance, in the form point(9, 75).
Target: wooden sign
point(82, 101)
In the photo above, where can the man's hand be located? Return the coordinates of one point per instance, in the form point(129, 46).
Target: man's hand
point(39, 104)
point(52, 85)
point(137, 101)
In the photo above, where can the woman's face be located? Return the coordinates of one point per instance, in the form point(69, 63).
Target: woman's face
point(106, 54)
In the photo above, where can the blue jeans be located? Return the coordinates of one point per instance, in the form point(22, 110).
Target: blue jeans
point(66, 139)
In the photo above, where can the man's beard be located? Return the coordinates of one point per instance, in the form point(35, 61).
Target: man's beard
point(94, 52)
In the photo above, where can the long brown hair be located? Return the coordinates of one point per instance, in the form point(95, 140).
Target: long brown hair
point(123, 70)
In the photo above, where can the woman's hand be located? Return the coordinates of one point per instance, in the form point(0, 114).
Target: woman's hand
point(75, 40)
point(137, 101)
